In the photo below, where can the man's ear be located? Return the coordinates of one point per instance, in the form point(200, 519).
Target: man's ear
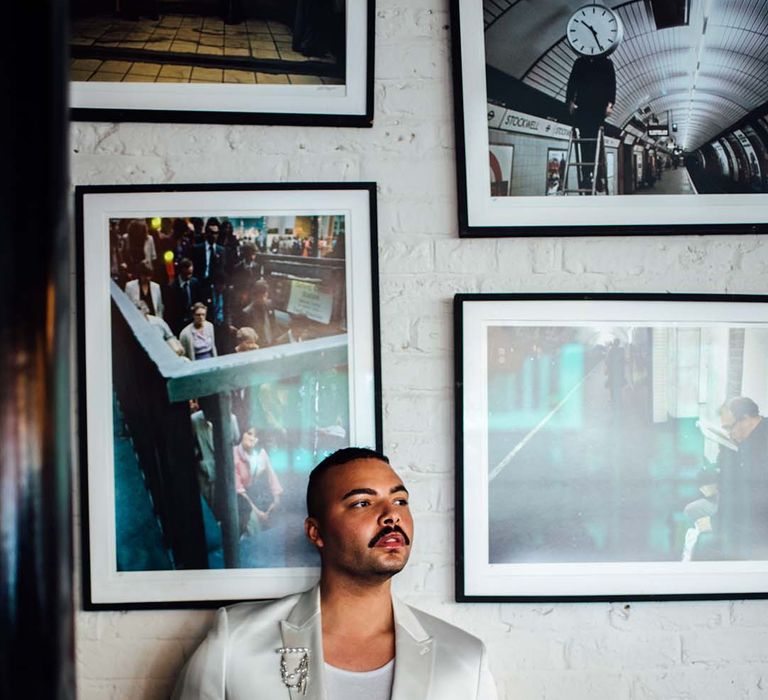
point(312, 530)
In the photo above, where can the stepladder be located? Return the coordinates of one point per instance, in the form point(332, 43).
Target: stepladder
point(587, 156)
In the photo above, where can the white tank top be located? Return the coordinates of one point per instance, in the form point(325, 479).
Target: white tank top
point(354, 685)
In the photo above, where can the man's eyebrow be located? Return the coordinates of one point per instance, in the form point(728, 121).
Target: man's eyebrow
point(357, 492)
point(372, 492)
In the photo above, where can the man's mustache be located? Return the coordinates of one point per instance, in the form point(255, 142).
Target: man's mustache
point(388, 531)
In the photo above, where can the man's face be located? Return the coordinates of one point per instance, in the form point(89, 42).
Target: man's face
point(186, 272)
point(726, 419)
point(212, 233)
point(365, 528)
point(740, 428)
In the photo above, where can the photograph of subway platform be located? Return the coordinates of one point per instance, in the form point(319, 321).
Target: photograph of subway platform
point(618, 443)
point(682, 98)
point(234, 42)
point(225, 331)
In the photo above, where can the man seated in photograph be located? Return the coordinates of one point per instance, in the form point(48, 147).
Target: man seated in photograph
point(347, 637)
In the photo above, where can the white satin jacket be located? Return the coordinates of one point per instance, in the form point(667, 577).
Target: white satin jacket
point(238, 660)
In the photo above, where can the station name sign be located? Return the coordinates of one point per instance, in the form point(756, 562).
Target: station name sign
point(658, 131)
point(519, 122)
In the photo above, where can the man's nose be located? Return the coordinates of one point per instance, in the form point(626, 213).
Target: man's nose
point(389, 516)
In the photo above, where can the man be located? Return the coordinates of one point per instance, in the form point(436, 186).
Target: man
point(347, 637)
point(743, 505)
point(209, 258)
point(246, 271)
point(181, 295)
point(590, 96)
point(202, 429)
point(260, 316)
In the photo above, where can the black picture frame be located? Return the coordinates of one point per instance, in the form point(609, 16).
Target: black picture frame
point(347, 104)
point(519, 105)
point(163, 521)
point(590, 431)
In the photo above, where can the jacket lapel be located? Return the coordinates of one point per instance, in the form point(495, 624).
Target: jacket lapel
point(303, 629)
point(414, 655)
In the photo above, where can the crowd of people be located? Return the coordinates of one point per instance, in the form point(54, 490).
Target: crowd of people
point(206, 284)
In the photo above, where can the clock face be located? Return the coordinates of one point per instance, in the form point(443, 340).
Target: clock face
point(594, 30)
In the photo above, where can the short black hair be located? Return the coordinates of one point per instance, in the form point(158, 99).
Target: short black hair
point(742, 406)
point(144, 268)
point(336, 459)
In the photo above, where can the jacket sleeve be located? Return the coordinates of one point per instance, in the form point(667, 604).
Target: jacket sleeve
point(204, 675)
point(132, 291)
point(570, 91)
point(186, 342)
point(486, 686)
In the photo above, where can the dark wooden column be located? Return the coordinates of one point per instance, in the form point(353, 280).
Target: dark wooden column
point(36, 640)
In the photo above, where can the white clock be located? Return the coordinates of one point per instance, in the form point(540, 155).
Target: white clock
point(594, 30)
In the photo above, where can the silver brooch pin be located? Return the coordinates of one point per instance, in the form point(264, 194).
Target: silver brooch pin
point(298, 679)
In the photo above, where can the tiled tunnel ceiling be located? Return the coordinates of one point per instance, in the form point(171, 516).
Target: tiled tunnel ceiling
point(705, 75)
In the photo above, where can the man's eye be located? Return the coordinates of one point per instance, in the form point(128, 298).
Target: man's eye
point(360, 504)
point(401, 501)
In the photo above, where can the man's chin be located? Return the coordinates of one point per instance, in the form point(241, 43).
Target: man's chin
point(390, 570)
point(391, 566)
point(380, 571)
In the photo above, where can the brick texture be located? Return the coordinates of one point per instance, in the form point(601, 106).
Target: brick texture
point(599, 651)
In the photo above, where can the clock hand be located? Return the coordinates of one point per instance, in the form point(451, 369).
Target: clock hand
point(594, 33)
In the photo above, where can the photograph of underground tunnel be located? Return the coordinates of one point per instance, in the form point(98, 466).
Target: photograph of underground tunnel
point(571, 100)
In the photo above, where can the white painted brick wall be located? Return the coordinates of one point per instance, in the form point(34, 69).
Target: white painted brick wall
point(640, 651)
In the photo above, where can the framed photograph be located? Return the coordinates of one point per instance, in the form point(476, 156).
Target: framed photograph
point(611, 446)
point(228, 341)
point(656, 130)
point(296, 62)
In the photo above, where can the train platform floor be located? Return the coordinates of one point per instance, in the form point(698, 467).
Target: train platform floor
point(159, 51)
point(596, 479)
point(673, 181)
